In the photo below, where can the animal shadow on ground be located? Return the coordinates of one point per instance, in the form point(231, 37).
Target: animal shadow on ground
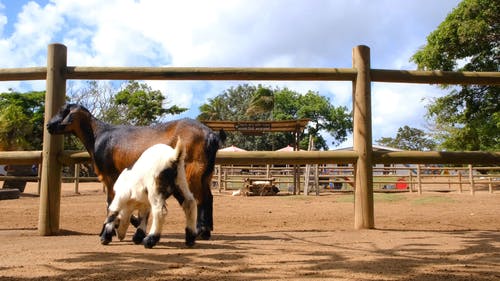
point(304, 254)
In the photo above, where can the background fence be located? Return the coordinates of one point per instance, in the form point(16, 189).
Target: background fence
point(331, 178)
point(415, 178)
point(57, 72)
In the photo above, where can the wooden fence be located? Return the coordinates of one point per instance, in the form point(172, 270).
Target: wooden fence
point(412, 178)
point(57, 72)
point(334, 178)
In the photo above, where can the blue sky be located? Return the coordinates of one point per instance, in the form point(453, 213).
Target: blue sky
point(233, 33)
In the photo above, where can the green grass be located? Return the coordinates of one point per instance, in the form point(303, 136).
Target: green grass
point(378, 197)
point(431, 200)
point(388, 197)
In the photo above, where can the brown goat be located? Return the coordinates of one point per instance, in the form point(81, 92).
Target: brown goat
point(115, 148)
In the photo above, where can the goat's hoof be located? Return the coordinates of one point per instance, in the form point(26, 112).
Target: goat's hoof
point(204, 233)
point(190, 237)
point(135, 221)
point(107, 234)
point(138, 236)
point(150, 241)
point(105, 239)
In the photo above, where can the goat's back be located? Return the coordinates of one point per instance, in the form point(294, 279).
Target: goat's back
point(120, 146)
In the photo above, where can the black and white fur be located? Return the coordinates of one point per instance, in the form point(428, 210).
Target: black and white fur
point(158, 173)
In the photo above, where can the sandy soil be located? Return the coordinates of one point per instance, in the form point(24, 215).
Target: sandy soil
point(433, 236)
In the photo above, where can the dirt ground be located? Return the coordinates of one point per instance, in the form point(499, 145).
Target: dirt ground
point(433, 236)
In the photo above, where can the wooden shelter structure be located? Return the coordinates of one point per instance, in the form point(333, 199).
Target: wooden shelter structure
point(259, 127)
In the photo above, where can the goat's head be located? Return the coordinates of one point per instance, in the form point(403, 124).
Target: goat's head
point(68, 119)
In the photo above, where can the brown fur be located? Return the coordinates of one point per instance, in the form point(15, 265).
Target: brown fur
point(114, 148)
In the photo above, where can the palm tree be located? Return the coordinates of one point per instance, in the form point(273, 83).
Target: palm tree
point(262, 101)
point(212, 110)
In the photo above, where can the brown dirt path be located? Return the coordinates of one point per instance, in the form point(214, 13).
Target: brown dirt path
point(434, 236)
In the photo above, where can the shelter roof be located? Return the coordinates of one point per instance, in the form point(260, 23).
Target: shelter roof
point(232, 148)
point(375, 148)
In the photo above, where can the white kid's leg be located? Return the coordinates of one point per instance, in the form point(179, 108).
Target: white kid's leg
point(123, 222)
point(158, 212)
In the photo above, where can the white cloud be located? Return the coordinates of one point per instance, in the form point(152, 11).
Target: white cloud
point(397, 105)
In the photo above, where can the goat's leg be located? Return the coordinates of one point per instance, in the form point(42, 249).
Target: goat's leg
point(124, 222)
point(190, 210)
point(108, 229)
point(120, 206)
point(110, 195)
point(135, 221)
point(205, 214)
point(158, 212)
point(190, 207)
point(140, 232)
point(115, 208)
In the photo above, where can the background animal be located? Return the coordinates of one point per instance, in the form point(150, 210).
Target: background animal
point(116, 147)
point(158, 173)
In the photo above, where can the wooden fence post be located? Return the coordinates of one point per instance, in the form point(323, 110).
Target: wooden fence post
point(419, 180)
point(362, 136)
point(77, 178)
point(490, 184)
point(471, 180)
point(219, 177)
point(39, 183)
point(316, 178)
point(410, 182)
point(459, 181)
point(50, 188)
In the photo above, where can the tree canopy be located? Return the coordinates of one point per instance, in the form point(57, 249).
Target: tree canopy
point(247, 102)
point(134, 104)
point(21, 120)
point(22, 114)
point(409, 138)
point(468, 118)
point(138, 104)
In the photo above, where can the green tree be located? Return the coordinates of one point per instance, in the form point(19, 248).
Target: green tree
point(409, 138)
point(232, 104)
point(262, 101)
point(21, 120)
point(96, 96)
point(467, 40)
point(235, 103)
point(138, 104)
point(325, 118)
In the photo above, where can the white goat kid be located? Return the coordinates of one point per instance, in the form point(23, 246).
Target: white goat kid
point(158, 173)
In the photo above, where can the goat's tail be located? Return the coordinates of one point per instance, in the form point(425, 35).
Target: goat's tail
point(180, 150)
point(213, 143)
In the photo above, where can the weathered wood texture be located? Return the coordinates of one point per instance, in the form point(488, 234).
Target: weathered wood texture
point(245, 74)
point(51, 176)
point(362, 140)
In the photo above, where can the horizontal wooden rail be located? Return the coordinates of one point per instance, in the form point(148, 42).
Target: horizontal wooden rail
point(435, 77)
point(234, 73)
point(289, 157)
point(436, 157)
point(277, 74)
point(20, 157)
point(71, 157)
point(21, 74)
point(211, 73)
point(327, 157)
point(252, 157)
point(286, 157)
